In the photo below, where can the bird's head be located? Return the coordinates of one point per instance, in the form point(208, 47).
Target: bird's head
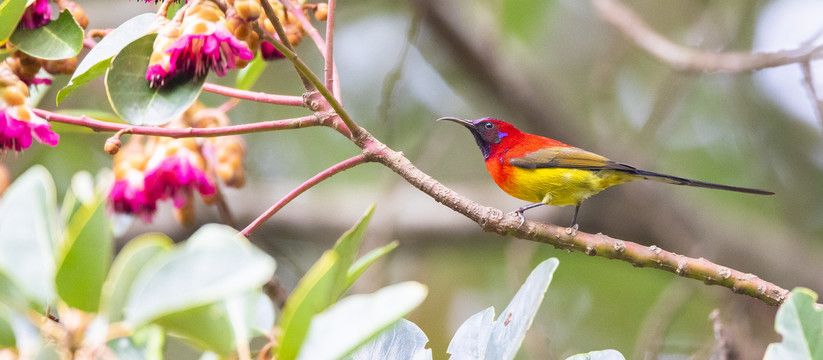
point(488, 132)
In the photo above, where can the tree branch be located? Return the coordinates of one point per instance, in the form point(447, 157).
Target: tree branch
point(495, 220)
point(105, 126)
point(685, 58)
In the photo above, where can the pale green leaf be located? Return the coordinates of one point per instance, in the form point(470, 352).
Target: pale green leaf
point(801, 326)
point(59, 39)
point(214, 264)
point(27, 231)
point(355, 319)
point(402, 341)
point(598, 355)
point(99, 57)
point(132, 98)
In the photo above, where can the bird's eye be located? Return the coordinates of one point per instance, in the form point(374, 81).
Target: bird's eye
point(489, 125)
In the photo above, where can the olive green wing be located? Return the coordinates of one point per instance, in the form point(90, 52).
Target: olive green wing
point(568, 158)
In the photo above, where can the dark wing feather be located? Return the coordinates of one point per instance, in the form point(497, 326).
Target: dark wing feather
point(568, 158)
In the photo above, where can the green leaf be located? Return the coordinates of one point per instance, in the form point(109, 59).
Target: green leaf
point(205, 327)
point(481, 338)
point(125, 268)
point(84, 258)
point(7, 339)
point(27, 231)
point(312, 295)
point(250, 314)
point(129, 92)
point(403, 340)
point(99, 57)
point(360, 266)
point(11, 11)
point(346, 248)
point(247, 76)
point(598, 355)
point(214, 264)
point(801, 326)
point(59, 39)
point(146, 344)
point(354, 320)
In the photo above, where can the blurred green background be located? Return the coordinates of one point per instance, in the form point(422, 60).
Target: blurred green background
point(556, 69)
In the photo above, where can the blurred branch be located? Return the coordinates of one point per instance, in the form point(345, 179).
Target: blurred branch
point(808, 80)
point(105, 126)
point(685, 58)
point(495, 220)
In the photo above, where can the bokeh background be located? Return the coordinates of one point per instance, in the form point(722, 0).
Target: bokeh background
point(557, 69)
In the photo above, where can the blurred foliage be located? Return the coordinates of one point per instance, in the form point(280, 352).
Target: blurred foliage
point(552, 68)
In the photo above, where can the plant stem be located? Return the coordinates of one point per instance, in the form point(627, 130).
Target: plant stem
point(287, 100)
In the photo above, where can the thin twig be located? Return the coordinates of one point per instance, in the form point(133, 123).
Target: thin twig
point(808, 80)
point(253, 95)
point(685, 58)
point(105, 126)
point(325, 174)
point(330, 69)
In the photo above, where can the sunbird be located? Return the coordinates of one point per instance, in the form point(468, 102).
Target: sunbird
point(545, 171)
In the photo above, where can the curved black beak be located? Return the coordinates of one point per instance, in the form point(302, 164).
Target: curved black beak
point(467, 123)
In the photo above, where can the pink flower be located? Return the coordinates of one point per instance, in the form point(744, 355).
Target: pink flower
point(269, 52)
point(36, 15)
point(18, 126)
point(218, 51)
point(176, 177)
point(129, 196)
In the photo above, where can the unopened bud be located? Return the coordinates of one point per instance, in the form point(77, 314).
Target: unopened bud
point(63, 66)
point(113, 145)
point(76, 11)
point(321, 12)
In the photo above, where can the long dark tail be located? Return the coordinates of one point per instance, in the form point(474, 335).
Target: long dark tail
point(689, 182)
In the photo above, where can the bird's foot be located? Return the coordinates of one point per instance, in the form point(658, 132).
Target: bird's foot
point(519, 214)
point(572, 230)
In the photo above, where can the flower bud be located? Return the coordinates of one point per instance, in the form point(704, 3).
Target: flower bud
point(76, 11)
point(248, 10)
point(113, 145)
point(321, 12)
point(63, 66)
point(230, 152)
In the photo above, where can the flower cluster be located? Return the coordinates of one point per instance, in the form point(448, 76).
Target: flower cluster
point(193, 44)
point(151, 169)
point(203, 37)
point(36, 15)
point(18, 124)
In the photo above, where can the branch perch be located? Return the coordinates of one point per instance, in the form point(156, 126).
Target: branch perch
point(497, 221)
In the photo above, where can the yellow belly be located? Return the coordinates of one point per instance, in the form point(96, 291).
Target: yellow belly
point(559, 186)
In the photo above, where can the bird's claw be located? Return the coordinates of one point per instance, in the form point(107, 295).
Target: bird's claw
point(572, 230)
point(519, 215)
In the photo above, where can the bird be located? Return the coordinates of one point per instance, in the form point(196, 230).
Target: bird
point(545, 171)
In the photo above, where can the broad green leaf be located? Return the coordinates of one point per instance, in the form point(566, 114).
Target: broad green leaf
point(250, 314)
point(205, 327)
point(354, 320)
point(125, 268)
point(84, 257)
point(801, 326)
point(598, 355)
point(99, 57)
point(11, 296)
point(146, 344)
point(27, 231)
point(247, 76)
point(11, 11)
point(479, 338)
point(402, 341)
point(346, 248)
point(59, 39)
point(364, 262)
point(312, 295)
point(214, 264)
point(7, 339)
point(129, 92)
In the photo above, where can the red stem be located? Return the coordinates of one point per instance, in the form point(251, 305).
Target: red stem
point(330, 72)
point(105, 126)
point(325, 174)
point(254, 96)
